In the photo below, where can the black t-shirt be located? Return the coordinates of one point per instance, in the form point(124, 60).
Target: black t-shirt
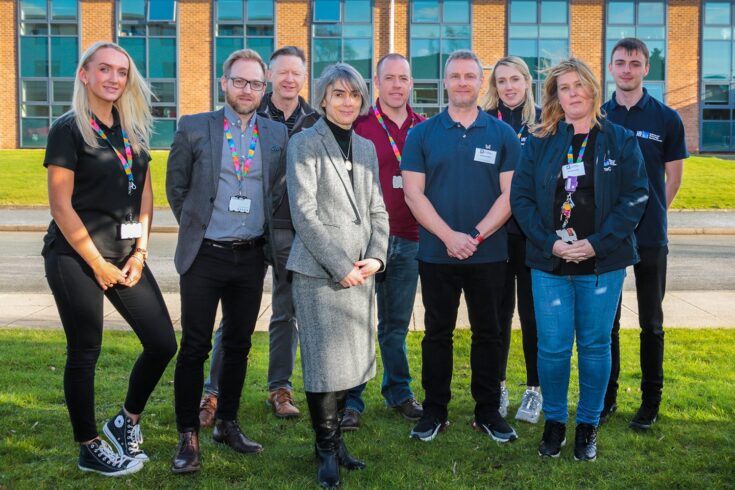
point(582, 218)
point(100, 196)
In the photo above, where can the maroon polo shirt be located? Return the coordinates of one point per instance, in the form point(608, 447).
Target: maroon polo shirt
point(402, 222)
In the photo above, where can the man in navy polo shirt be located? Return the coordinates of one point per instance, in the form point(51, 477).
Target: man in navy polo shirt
point(660, 134)
point(457, 169)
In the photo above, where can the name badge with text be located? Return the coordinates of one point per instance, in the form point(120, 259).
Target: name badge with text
point(486, 156)
point(240, 204)
point(572, 170)
point(131, 229)
point(397, 182)
point(567, 235)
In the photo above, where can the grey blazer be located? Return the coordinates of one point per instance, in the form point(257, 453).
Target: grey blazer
point(192, 176)
point(335, 225)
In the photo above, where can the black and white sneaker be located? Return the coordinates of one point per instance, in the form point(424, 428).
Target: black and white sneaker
point(125, 436)
point(497, 428)
point(553, 440)
point(99, 457)
point(585, 442)
point(428, 428)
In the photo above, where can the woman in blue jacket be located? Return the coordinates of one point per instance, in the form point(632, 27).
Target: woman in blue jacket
point(577, 194)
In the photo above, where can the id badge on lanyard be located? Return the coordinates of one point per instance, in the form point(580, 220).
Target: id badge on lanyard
point(130, 229)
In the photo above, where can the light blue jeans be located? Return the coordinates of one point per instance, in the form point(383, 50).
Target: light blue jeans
point(568, 305)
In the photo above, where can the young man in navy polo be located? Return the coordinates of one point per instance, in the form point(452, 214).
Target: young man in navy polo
point(660, 135)
point(457, 168)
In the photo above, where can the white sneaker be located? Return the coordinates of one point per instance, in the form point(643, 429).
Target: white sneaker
point(504, 402)
point(530, 409)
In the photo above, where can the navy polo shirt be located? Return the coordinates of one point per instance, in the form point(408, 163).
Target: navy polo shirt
point(660, 134)
point(462, 167)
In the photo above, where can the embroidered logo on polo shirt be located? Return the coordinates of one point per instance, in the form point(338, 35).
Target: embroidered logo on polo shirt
point(648, 136)
point(608, 164)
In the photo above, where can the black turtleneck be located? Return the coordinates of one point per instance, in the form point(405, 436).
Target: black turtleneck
point(343, 137)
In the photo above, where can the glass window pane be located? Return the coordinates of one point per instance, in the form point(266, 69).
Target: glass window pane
point(58, 110)
point(553, 12)
point(132, 30)
point(163, 133)
point(716, 60)
point(449, 45)
point(619, 32)
point(326, 11)
point(651, 13)
point(425, 93)
point(425, 11)
point(327, 30)
point(655, 90)
point(554, 32)
point(165, 57)
point(33, 56)
point(522, 32)
point(230, 30)
point(358, 53)
point(326, 52)
point(621, 12)
point(425, 58)
point(425, 31)
point(132, 9)
point(527, 50)
point(29, 29)
point(161, 30)
point(716, 94)
point(163, 111)
point(64, 9)
point(716, 33)
point(552, 52)
point(33, 132)
point(523, 11)
point(63, 56)
point(33, 9)
point(456, 31)
point(161, 10)
point(136, 49)
point(34, 110)
point(717, 13)
point(164, 91)
point(260, 10)
point(63, 91)
point(230, 10)
point(260, 30)
point(716, 114)
point(657, 61)
point(715, 136)
point(263, 45)
point(358, 11)
point(34, 91)
point(357, 30)
point(223, 48)
point(63, 29)
point(456, 11)
point(651, 33)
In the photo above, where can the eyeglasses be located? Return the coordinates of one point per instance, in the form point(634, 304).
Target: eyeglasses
point(255, 85)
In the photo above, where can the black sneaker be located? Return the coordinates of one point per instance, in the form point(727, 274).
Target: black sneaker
point(554, 438)
point(497, 428)
point(428, 428)
point(125, 436)
point(607, 411)
point(410, 409)
point(585, 442)
point(99, 457)
point(644, 418)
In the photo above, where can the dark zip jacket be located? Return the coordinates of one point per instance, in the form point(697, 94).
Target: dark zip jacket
point(621, 193)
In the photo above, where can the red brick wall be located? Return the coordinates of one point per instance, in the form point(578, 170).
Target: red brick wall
point(195, 56)
point(586, 27)
point(9, 80)
point(682, 65)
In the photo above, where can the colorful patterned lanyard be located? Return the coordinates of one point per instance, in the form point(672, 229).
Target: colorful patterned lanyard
point(520, 132)
point(393, 144)
point(241, 171)
point(126, 161)
point(570, 184)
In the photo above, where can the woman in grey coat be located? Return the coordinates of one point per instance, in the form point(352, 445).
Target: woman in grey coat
point(341, 239)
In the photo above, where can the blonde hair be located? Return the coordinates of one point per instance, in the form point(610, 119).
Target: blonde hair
point(133, 105)
point(242, 54)
point(552, 112)
point(491, 99)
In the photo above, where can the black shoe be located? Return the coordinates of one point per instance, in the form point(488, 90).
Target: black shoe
point(187, 458)
point(497, 428)
point(410, 409)
point(99, 457)
point(585, 442)
point(350, 420)
point(228, 432)
point(645, 417)
point(346, 459)
point(125, 436)
point(607, 411)
point(554, 438)
point(327, 473)
point(428, 428)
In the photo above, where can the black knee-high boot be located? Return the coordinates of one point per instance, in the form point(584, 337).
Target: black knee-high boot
point(343, 455)
point(325, 421)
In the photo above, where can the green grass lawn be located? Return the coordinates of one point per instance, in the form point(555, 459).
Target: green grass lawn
point(709, 182)
point(690, 447)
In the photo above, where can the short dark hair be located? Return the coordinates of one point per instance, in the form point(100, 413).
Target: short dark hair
point(288, 51)
point(630, 44)
point(390, 56)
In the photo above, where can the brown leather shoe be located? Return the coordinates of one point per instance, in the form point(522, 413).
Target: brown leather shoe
point(228, 432)
point(207, 408)
point(350, 420)
point(281, 401)
point(187, 458)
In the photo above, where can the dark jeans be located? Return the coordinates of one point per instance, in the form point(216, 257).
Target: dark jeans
point(650, 284)
point(236, 278)
point(79, 300)
point(519, 276)
point(441, 287)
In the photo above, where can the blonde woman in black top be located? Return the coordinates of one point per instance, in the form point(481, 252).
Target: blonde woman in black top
point(101, 202)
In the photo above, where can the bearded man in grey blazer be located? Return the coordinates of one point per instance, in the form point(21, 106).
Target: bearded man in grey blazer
point(219, 182)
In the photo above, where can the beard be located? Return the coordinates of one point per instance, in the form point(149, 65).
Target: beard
point(243, 108)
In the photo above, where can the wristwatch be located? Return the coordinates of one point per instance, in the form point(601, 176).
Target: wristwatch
point(475, 233)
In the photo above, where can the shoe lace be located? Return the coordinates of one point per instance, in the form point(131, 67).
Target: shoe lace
point(283, 396)
point(134, 438)
point(104, 452)
point(529, 400)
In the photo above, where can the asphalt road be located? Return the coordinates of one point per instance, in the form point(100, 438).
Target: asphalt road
point(696, 263)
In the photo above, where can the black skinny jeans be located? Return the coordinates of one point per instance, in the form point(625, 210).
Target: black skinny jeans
point(442, 286)
point(519, 275)
point(79, 299)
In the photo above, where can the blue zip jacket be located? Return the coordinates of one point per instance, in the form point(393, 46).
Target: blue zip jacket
point(621, 192)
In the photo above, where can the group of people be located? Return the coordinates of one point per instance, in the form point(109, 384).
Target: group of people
point(351, 201)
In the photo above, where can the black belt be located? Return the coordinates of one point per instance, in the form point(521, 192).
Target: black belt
point(237, 244)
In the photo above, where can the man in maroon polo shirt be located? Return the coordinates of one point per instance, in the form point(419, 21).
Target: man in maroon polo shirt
point(387, 125)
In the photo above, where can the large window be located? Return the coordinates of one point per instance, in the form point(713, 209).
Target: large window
point(438, 27)
point(147, 30)
point(342, 30)
point(49, 53)
point(646, 20)
point(538, 32)
point(241, 24)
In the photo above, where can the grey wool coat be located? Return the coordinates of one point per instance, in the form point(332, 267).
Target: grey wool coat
point(336, 223)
